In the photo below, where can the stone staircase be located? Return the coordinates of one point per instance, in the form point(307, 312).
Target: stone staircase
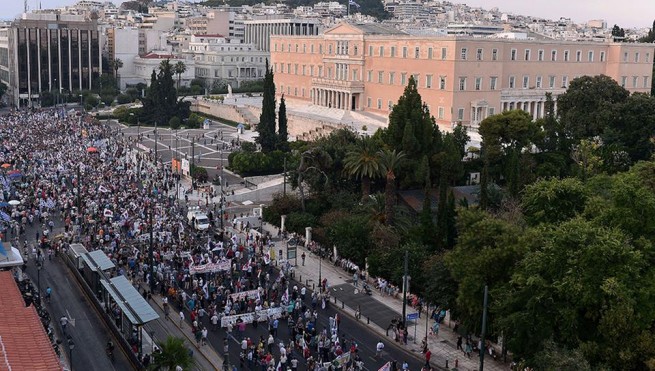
point(319, 132)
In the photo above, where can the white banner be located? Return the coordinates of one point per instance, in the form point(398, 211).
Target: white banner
point(251, 294)
point(223, 265)
point(261, 315)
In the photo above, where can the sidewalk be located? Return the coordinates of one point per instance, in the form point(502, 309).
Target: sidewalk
point(378, 310)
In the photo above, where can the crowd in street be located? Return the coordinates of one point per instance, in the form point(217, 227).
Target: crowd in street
point(73, 171)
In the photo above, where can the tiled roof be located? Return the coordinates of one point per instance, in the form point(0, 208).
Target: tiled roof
point(24, 344)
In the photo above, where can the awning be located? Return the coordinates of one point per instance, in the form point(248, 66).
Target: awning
point(133, 305)
point(98, 259)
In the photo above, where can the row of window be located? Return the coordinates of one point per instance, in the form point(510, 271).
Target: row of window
point(342, 48)
point(341, 72)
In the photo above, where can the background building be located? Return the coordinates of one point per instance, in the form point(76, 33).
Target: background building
point(222, 60)
point(462, 79)
point(259, 31)
point(51, 52)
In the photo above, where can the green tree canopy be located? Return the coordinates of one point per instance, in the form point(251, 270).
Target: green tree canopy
point(412, 130)
point(587, 106)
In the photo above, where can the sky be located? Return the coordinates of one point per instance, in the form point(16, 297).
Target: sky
point(627, 14)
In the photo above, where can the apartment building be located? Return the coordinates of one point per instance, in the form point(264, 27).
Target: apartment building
point(462, 79)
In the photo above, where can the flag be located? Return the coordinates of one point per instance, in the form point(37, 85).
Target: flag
point(386, 367)
point(103, 189)
point(2, 249)
point(205, 290)
point(5, 216)
point(353, 3)
point(108, 213)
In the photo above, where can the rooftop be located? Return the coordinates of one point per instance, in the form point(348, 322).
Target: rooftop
point(24, 344)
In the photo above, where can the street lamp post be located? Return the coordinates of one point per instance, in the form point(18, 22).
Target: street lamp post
point(39, 265)
point(71, 346)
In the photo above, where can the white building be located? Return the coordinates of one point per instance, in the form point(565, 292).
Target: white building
point(144, 65)
point(222, 60)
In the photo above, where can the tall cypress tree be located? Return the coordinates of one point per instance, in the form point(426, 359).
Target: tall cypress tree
point(266, 127)
point(282, 134)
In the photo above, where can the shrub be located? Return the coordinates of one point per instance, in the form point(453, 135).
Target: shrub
point(256, 163)
point(281, 205)
point(174, 122)
point(298, 221)
point(124, 98)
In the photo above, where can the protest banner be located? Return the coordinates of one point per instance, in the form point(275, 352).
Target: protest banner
point(250, 294)
point(260, 315)
point(223, 265)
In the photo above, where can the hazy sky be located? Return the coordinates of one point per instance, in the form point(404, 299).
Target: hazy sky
point(627, 13)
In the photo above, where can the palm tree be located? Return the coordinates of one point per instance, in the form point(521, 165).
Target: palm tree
point(172, 353)
point(363, 163)
point(117, 64)
point(179, 69)
point(390, 161)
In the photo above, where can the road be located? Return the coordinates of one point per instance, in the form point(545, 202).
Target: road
point(88, 331)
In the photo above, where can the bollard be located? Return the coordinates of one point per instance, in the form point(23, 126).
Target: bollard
point(335, 300)
point(313, 287)
point(446, 363)
point(456, 362)
point(342, 305)
point(300, 280)
point(368, 320)
point(306, 282)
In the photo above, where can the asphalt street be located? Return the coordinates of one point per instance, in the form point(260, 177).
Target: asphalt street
point(86, 328)
point(350, 329)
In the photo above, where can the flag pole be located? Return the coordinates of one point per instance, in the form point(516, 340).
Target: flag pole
point(349, 8)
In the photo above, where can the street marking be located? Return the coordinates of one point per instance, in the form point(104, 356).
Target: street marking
point(71, 320)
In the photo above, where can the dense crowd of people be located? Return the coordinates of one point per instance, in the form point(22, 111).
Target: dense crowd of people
point(72, 171)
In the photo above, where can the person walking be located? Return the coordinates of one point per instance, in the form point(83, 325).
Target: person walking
point(428, 355)
point(181, 318)
point(63, 321)
point(378, 349)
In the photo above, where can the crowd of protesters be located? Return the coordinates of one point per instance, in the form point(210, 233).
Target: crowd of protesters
point(73, 171)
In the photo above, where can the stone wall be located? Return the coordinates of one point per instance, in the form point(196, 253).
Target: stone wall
point(225, 111)
point(298, 126)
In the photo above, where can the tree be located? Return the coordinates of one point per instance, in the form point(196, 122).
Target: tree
point(579, 285)
point(174, 122)
point(587, 106)
point(179, 69)
point(283, 134)
point(161, 102)
point(172, 353)
point(117, 64)
point(487, 249)
point(450, 165)
point(266, 127)
point(504, 137)
point(632, 126)
point(390, 161)
point(618, 32)
point(553, 201)
point(363, 162)
point(413, 131)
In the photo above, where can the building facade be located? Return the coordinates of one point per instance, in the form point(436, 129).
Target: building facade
point(461, 79)
point(221, 60)
point(51, 52)
point(259, 31)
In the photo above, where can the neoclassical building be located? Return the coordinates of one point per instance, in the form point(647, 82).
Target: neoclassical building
point(365, 67)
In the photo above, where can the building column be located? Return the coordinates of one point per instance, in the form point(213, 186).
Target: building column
point(350, 102)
